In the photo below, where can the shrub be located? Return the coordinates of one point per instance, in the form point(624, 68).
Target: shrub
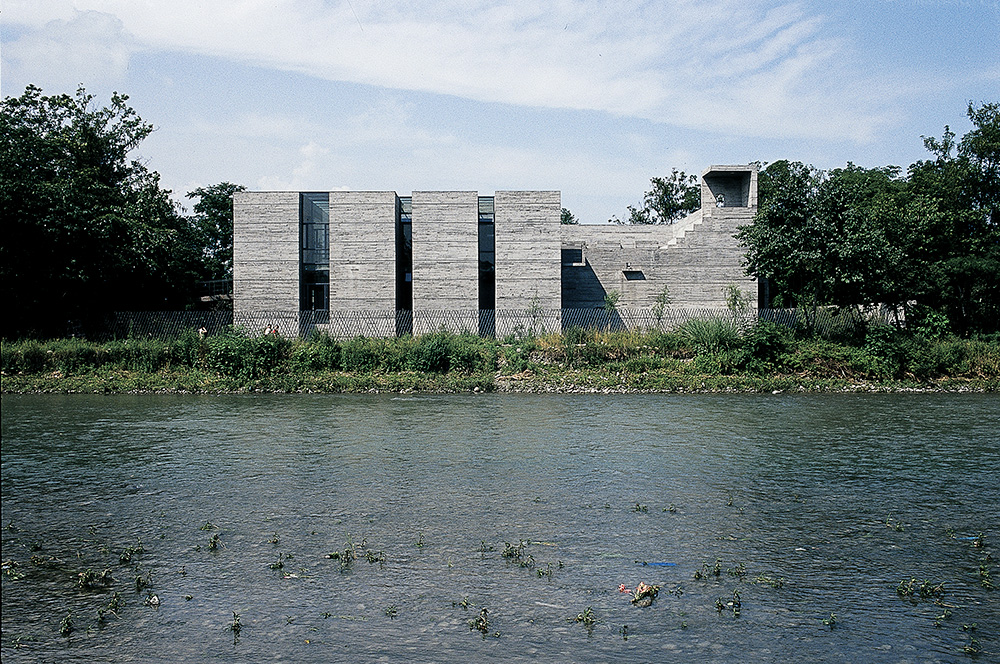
point(580, 347)
point(432, 353)
point(883, 354)
point(268, 355)
point(361, 355)
point(225, 353)
point(72, 355)
point(516, 358)
point(670, 344)
point(235, 354)
point(320, 352)
point(28, 356)
point(709, 336)
point(472, 354)
point(983, 358)
point(925, 359)
point(763, 346)
point(188, 350)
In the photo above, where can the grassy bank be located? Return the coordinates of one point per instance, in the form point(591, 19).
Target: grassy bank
point(699, 356)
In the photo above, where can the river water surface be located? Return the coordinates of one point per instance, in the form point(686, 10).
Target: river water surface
point(806, 505)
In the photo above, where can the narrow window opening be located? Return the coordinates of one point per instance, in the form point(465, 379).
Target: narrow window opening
point(487, 267)
point(314, 231)
point(404, 265)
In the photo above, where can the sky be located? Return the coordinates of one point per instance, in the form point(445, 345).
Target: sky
point(592, 98)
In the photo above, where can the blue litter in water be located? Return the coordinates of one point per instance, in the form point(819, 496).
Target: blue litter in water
point(967, 538)
point(658, 564)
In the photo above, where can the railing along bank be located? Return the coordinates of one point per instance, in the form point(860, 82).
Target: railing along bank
point(488, 323)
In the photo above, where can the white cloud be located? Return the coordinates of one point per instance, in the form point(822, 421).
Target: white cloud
point(88, 48)
point(750, 67)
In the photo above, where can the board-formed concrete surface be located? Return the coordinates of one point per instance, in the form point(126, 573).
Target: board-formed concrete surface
point(540, 265)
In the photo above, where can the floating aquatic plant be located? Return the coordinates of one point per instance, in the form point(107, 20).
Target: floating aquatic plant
point(142, 582)
point(89, 579)
point(831, 621)
point(515, 552)
point(116, 604)
point(131, 550)
point(66, 625)
point(235, 627)
point(706, 571)
point(941, 618)
point(644, 594)
point(985, 577)
point(974, 648)
point(763, 579)
point(208, 526)
point(910, 588)
point(10, 570)
point(640, 508)
point(346, 557)
point(586, 618)
point(391, 611)
point(894, 525)
point(215, 543)
point(481, 622)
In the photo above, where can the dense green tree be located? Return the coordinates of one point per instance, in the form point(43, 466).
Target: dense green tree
point(86, 229)
point(213, 219)
point(668, 200)
point(827, 238)
point(954, 219)
point(567, 217)
point(926, 244)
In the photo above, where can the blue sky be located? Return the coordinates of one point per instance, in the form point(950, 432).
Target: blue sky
point(590, 98)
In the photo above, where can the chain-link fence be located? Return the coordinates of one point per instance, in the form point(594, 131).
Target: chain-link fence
point(487, 323)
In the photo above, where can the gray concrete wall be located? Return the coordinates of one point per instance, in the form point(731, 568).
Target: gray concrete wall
point(696, 259)
point(363, 251)
point(265, 251)
point(446, 258)
point(528, 250)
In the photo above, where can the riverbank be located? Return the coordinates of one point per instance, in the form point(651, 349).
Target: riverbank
point(568, 382)
point(707, 356)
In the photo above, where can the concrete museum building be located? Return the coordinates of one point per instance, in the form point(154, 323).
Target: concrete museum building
point(378, 264)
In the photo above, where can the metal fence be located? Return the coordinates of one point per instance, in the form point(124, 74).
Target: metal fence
point(487, 323)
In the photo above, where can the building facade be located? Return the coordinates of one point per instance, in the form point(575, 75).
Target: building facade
point(377, 263)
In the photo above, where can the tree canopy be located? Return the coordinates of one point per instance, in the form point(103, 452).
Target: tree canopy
point(86, 228)
point(213, 218)
point(927, 242)
point(668, 200)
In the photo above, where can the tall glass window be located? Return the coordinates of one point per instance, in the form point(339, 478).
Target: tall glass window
point(487, 267)
point(314, 230)
point(404, 265)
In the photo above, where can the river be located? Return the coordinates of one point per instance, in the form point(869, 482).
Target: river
point(807, 510)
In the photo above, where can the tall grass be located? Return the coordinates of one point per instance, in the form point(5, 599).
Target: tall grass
point(699, 347)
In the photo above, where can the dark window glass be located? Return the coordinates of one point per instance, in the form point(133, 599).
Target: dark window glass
point(572, 255)
point(314, 261)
